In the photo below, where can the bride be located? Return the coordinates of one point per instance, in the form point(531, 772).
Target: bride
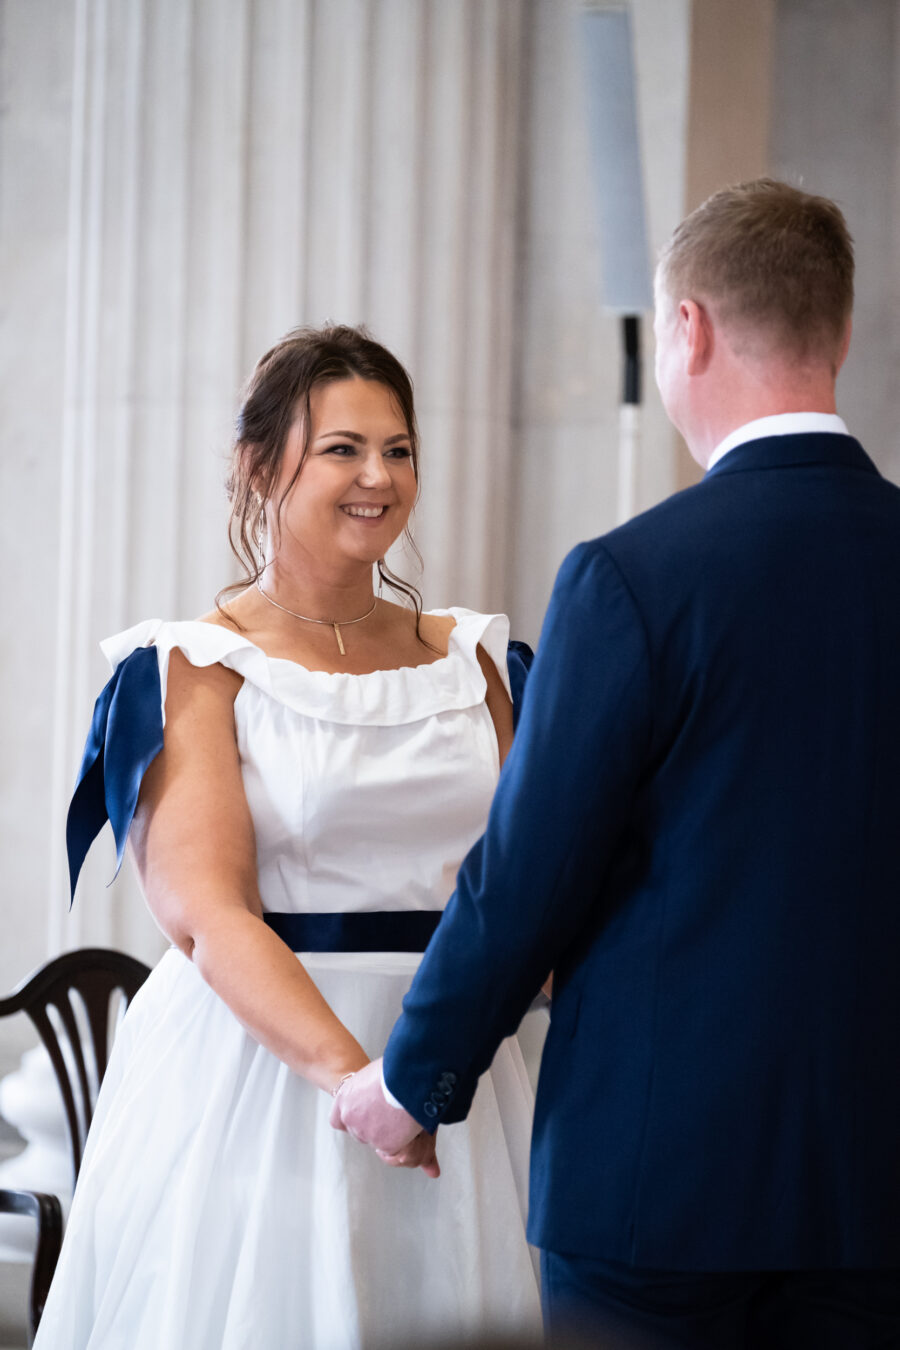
point(314, 762)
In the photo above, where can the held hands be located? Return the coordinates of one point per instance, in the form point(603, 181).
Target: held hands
point(420, 1153)
point(361, 1108)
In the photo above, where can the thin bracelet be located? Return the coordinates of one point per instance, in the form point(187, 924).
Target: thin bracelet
point(340, 1083)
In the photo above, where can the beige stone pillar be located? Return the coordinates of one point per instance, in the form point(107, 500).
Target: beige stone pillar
point(729, 105)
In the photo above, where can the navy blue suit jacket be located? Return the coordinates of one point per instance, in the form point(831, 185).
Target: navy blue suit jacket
point(698, 829)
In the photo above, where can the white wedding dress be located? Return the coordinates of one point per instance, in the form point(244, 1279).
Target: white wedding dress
point(216, 1209)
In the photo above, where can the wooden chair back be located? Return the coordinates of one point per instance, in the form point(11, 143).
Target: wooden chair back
point(70, 1000)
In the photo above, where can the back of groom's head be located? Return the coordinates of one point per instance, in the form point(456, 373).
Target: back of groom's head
point(774, 264)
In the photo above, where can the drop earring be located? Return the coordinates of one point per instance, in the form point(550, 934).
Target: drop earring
point(380, 580)
point(260, 538)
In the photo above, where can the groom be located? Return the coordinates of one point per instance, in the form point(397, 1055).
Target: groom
point(698, 829)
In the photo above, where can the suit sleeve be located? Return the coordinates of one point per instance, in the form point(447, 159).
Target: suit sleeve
point(530, 885)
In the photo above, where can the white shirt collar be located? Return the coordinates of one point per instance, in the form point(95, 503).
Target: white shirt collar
point(781, 424)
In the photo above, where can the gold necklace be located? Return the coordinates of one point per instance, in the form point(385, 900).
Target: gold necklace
point(332, 623)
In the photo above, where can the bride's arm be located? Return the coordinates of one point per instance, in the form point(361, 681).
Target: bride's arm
point(195, 850)
point(499, 703)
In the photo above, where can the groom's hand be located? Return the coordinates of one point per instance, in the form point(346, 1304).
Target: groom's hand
point(362, 1109)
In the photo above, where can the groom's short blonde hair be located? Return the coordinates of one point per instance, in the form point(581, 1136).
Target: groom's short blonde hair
point(774, 263)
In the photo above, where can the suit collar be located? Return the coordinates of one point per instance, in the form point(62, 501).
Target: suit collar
point(784, 452)
point(778, 424)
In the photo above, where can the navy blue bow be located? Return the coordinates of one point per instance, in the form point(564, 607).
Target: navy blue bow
point(125, 737)
point(519, 657)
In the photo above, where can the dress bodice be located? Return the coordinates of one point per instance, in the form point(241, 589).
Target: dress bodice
point(366, 791)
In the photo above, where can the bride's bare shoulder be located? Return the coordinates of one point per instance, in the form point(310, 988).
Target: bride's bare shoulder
point(436, 630)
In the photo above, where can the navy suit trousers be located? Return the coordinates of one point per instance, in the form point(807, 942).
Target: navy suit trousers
point(605, 1303)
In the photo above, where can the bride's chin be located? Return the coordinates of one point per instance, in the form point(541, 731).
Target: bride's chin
point(367, 557)
point(374, 552)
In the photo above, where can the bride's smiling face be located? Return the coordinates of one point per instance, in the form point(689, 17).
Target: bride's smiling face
point(357, 485)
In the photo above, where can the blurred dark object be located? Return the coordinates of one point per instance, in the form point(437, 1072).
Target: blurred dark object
point(468, 1340)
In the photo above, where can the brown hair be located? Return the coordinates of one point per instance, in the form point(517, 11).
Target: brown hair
point(279, 388)
point(772, 260)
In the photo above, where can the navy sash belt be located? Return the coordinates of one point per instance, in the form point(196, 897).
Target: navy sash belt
point(381, 930)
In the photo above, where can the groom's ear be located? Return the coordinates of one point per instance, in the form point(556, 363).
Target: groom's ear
point(697, 335)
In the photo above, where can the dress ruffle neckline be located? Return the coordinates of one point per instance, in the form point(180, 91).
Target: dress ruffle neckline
point(377, 698)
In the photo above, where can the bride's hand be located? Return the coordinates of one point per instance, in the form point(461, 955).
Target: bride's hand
point(420, 1152)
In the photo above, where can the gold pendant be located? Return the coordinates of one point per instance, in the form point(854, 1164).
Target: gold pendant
point(337, 634)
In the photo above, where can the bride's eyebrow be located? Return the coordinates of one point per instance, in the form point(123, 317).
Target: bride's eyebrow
point(350, 435)
point(355, 436)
